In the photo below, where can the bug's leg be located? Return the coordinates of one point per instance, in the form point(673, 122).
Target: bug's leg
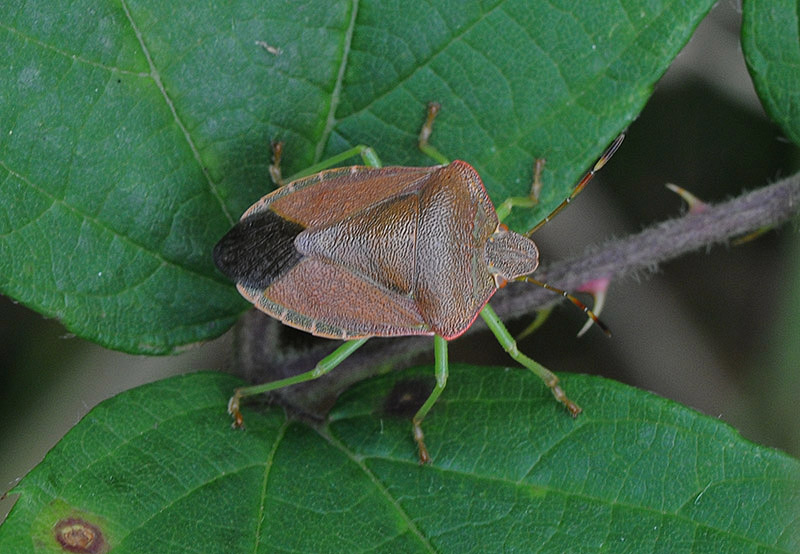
point(541, 318)
point(440, 353)
point(532, 199)
point(509, 345)
point(275, 166)
point(325, 365)
point(367, 154)
point(425, 135)
point(524, 201)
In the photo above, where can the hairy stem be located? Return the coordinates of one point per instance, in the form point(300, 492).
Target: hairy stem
point(264, 356)
point(766, 207)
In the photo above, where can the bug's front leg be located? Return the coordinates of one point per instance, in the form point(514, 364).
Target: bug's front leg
point(524, 201)
point(510, 345)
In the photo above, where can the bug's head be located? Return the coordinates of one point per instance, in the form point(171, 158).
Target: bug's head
point(510, 255)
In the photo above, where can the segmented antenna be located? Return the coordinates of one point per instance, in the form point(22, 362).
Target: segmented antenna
point(581, 306)
point(582, 183)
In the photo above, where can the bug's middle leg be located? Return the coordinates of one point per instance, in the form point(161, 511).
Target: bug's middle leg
point(441, 369)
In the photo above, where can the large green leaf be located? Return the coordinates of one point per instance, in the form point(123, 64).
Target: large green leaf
point(158, 469)
point(771, 44)
point(133, 134)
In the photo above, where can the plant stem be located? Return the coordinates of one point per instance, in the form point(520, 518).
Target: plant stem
point(766, 207)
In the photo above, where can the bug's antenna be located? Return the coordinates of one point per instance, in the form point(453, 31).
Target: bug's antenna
point(582, 183)
point(581, 306)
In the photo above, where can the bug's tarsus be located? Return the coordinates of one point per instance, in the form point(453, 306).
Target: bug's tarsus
point(419, 438)
point(581, 306)
point(425, 135)
point(274, 50)
point(559, 394)
point(427, 127)
point(275, 166)
point(233, 410)
point(582, 183)
point(536, 185)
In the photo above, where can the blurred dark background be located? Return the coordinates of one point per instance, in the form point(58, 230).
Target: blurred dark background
point(717, 330)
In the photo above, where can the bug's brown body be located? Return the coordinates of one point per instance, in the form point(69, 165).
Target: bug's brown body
point(360, 252)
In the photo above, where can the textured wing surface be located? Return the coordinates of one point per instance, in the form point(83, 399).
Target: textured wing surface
point(329, 301)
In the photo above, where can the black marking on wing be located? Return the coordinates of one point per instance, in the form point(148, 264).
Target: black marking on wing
point(258, 250)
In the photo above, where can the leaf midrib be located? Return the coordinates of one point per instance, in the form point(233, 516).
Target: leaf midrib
point(330, 120)
point(156, 76)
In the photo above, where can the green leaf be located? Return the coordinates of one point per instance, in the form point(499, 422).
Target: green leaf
point(158, 469)
point(133, 134)
point(771, 45)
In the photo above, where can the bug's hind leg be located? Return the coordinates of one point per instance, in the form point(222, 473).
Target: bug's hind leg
point(324, 366)
point(275, 165)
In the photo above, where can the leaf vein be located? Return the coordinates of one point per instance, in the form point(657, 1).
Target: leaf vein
point(156, 76)
point(267, 471)
point(330, 121)
point(66, 54)
point(394, 502)
point(102, 225)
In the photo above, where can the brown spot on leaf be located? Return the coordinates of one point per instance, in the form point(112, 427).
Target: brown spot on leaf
point(407, 396)
point(78, 535)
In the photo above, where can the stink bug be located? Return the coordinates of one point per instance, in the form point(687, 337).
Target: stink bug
point(359, 252)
